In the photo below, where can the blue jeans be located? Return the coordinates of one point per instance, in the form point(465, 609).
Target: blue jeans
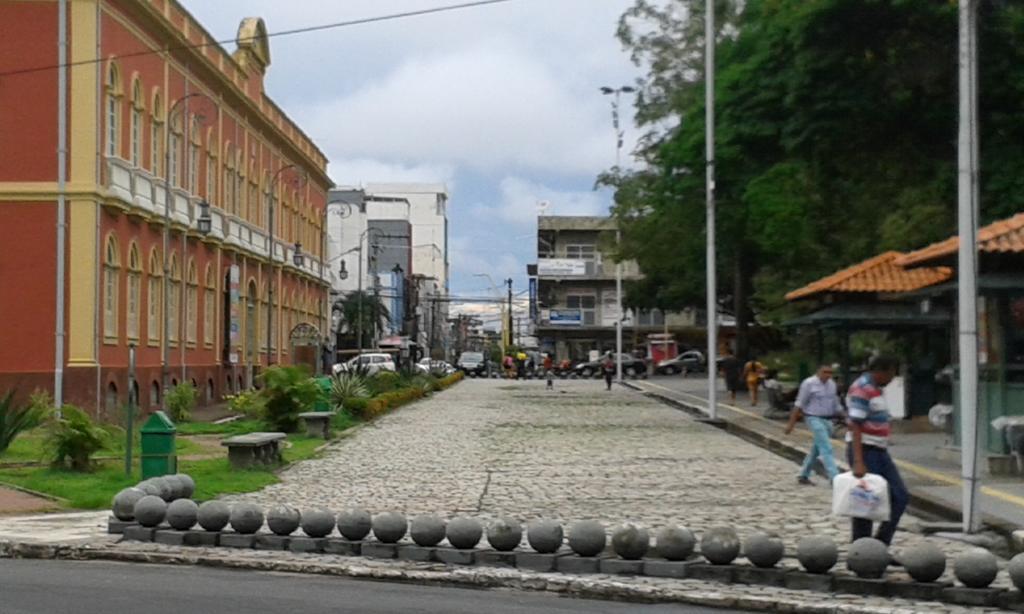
point(821, 428)
point(878, 461)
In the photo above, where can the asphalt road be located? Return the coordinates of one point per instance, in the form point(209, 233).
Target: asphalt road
point(59, 587)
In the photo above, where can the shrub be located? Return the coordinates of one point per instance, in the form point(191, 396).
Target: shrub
point(356, 406)
point(288, 391)
point(74, 438)
point(346, 386)
point(181, 400)
point(450, 380)
point(15, 420)
point(384, 381)
point(249, 403)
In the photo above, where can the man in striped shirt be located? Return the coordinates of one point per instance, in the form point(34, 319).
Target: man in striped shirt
point(868, 439)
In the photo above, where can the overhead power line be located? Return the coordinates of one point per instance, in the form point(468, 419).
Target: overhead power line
point(303, 30)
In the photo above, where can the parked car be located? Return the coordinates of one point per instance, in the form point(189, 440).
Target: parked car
point(631, 366)
point(427, 366)
point(472, 363)
point(371, 363)
point(691, 361)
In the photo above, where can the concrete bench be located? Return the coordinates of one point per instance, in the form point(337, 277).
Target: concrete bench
point(318, 423)
point(254, 448)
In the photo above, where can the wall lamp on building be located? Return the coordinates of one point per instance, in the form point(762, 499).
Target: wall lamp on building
point(297, 257)
point(204, 221)
point(342, 271)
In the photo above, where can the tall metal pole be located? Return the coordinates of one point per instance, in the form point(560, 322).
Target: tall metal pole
point(359, 294)
point(712, 282)
point(130, 418)
point(967, 288)
point(508, 319)
point(62, 150)
point(270, 260)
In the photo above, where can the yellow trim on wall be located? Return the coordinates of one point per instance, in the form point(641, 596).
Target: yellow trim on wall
point(82, 281)
point(84, 92)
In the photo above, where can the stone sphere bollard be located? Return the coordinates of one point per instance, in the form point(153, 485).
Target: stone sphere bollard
point(317, 522)
point(764, 550)
point(544, 536)
point(868, 558)
point(354, 524)
point(182, 514)
point(587, 537)
point(150, 510)
point(631, 542)
point(464, 532)
point(389, 527)
point(976, 568)
point(177, 487)
point(284, 519)
point(817, 553)
point(246, 518)
point(1016, 571)
point(214, 515)
point(675, 543)
point(427, 530)
point(123, 505)
point(720, 545)
point(504, 534)
point(165, 486)
point(149, 488)
point(925, 562)
point(188, 483)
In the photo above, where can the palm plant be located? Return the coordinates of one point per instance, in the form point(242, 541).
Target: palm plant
point(365, 307)
point(74, 438)
point(348, 386)
point(14, 420)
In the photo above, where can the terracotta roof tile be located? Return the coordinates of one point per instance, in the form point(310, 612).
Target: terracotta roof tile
point(878, 274)
point(1002, 237)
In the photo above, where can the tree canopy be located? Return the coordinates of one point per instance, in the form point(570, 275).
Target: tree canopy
point(836, 139)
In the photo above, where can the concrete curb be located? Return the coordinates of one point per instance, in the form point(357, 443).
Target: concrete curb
point(918, 502)
point(689, 592)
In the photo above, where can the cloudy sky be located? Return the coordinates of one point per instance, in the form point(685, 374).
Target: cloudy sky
point(500, 102)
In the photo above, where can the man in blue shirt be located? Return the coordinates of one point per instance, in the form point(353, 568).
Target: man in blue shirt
point(818, 403)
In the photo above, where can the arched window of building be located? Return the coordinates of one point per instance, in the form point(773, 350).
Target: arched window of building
point(241, 205)
point(111, 275)
point(113, 110)
point(154, 299)
point(173, 298)
point(110, 402)
point(211, 169)
point(154, 394)
point(191, 303)
point(156, 135)
point(138, 112)
point(209, 306)
point(229, 181)
point(174, 152)
point(134, 292)
point(194, 142)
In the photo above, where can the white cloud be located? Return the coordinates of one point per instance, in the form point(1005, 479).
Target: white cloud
point(359, 171)
point(521, 200)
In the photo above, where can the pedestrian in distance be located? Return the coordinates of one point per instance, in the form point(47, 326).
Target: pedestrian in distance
point(732, 369)
point(549, 372)
point(752, 372)
point(608, 368)
point(868, 443)
point(818, 403)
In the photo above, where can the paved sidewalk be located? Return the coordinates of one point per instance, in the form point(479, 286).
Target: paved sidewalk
point(927, 476)
point(17, 502)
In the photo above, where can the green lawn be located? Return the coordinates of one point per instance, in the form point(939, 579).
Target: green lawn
point(30, 447)
point(236, 427)
point(95, 490)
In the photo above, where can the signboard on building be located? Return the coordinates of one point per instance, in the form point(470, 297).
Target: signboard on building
point(565, 317)
point(561, 267)
point(234, 280)
point(533, 299)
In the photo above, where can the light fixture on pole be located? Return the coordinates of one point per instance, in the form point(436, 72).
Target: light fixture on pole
point(270, 256)
point(297, 257)
point(342, 271)
point(203, 222)
point(617, 91)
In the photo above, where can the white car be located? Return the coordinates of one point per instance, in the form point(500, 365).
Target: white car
point(428, 365)
point(371, 363)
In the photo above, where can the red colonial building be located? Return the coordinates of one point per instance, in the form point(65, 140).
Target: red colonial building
point(189, 210)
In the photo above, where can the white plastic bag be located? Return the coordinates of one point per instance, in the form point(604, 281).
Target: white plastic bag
point(866, 497)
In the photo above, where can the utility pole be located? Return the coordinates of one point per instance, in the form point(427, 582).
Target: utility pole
point(508, 318)
point(967, 263)
point(712, 282)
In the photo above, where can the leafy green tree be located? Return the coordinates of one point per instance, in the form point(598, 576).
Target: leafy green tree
point(836, 135)
point(289, 391)
point(362, 306)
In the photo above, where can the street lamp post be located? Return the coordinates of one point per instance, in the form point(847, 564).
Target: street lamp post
point(270, 260)
point(165, 347)
point(625, 89)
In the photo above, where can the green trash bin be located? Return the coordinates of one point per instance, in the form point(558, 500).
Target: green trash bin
point(159, 456)
point(324, 402)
